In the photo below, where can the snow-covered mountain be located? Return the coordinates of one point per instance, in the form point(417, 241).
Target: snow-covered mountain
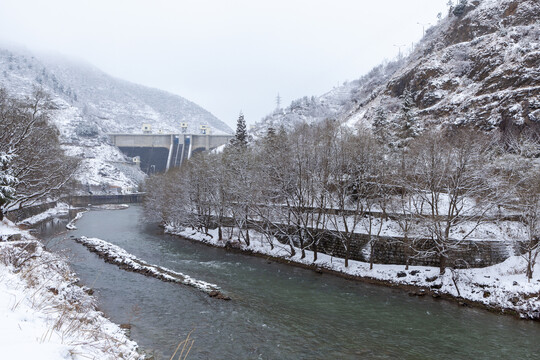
point(89, 104)
point(332, 105)
point(479, 66)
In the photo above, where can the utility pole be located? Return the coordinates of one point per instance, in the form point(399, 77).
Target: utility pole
point(399, 49)
point(278, 102)
point(423, 27)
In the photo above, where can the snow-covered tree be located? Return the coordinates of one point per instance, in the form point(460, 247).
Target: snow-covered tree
point(460, 8)
point(450, 188)
point(403, 204)
point(352, 173)
point(518, 169)
point(408, 125)
point(381, 126)
point(7, 182)
point(528, 191)
point(33, 161)
point(275, 179)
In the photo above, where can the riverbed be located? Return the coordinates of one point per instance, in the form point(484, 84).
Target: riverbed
point(277, 311)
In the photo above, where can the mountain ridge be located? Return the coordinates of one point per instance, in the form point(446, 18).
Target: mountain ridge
point(88, 104)
point(479, 66)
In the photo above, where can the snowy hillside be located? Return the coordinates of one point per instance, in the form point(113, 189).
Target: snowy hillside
point(335, 104)
point(480, 65)
point(88, 104)
point(480, 68)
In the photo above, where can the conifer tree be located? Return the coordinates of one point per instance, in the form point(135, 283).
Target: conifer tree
point(271, 132)
point(381, 126)
point(7, 182)
point(408, 128)
point(241, 137)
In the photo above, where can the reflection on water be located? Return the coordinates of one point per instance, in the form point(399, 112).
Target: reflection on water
point(277, 311)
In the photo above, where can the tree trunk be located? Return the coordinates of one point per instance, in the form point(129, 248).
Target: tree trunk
point(442, 264)
point(529, 267)
point(371, 251)
point(314, 251)
point(247, 228)
point(220, 233)
point(406, 250)
point(291, 246)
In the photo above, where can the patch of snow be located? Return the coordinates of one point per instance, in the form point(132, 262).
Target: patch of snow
point(44, 315)
point(60, 209)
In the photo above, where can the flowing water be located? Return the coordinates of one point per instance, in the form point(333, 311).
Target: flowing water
point(278, 311)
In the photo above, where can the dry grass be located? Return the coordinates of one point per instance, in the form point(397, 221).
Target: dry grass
point(186, 346)
point(72, 313)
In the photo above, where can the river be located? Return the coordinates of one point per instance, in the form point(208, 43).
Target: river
point(278, 311)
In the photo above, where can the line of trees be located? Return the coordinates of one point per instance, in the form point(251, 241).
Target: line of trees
point(33, 165)
point(328, 177)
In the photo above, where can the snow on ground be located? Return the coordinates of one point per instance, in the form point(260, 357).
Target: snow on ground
point(219, 149)
point(503, 286)
point(60, 209)
point(44, 314)
point(105, 166)
point(504, 230)
point(110, 207)
point(71, 225)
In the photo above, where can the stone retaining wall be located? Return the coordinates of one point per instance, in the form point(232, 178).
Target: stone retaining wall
point(393, 250)
point(85, 200)
point(26, 212)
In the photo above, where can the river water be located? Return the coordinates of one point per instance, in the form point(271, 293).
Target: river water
point(278, 311)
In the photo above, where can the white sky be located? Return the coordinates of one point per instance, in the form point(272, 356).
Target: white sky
point(229, 55)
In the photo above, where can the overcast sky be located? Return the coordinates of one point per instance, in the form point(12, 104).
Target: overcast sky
point(229, 55)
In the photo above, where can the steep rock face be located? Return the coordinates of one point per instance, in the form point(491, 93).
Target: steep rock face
point(88, 104)
point(481, 68)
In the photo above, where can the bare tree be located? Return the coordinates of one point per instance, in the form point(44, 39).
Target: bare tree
point(519, 169)
point(37, 161)
point(315, 217)
point(167, 199)
point(347, 190)
point(277, 182)
point(241, 186)
point(306, 201)
point(528, 191)
point(449, 182)
point(403, 203)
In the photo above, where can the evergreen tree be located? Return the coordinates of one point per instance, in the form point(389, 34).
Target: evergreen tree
point(7, 182)
point(381, 126)
point(460, 8)
point(241, 137)
point(271, 132)
point(408, 128)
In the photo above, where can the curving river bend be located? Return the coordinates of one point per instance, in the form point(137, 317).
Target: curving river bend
point(278, 311)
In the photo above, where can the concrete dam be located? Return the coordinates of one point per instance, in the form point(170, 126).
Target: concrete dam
point(159, 152)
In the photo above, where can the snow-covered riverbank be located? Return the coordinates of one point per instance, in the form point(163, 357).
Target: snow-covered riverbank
point(45, 314)
point(502, 287)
